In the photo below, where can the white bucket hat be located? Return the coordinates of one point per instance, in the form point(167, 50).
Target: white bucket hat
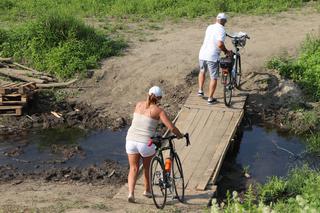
point(156, 91)
point(222, 16)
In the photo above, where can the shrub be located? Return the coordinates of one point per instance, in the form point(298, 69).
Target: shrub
point(305, 69)
point(299, 192)
point(59, 44)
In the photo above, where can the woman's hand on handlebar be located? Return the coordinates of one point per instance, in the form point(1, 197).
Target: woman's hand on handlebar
point(179, 135)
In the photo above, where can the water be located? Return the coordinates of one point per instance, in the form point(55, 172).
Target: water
point(38, 147)
point(262, 152)
point(256, 150)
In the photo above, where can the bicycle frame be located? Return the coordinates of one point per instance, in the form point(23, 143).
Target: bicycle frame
point(232, 74)
point(159, 153)
point(167, 180)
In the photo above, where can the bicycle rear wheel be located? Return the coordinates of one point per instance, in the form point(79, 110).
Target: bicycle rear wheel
point(238, 73)
point(157, 182)
point(227, 88)
point(177, 177)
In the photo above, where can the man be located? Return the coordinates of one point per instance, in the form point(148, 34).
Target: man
point(209, 55)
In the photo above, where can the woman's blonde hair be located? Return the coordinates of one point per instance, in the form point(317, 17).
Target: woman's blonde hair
point(152, 99)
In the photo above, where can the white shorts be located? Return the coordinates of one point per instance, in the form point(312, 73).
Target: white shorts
point(133, 147)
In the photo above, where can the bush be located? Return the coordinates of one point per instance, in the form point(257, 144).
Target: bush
point(305, 70)
point(299, 192)
point(59, 44)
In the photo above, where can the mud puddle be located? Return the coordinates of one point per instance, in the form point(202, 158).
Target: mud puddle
point(64, 154)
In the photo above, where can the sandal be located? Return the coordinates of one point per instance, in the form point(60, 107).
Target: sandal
point(147, 194)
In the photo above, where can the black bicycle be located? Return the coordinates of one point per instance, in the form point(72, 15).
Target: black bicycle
point(231, 67)
point(166, 174)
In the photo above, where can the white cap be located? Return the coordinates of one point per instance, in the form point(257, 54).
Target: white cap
point(156, 91)
point(222, 16)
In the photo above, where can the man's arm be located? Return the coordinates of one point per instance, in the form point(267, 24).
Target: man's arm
point(223, 48)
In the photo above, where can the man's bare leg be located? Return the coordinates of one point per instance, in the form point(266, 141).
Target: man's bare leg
point(212, 88)
point(201, 79)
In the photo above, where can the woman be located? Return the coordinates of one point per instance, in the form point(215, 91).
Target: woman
point(145, 120)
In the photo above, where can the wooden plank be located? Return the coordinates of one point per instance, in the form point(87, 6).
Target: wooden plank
point(194, 132)
point(10, 110)
point(212, 107)
point(13, 99)
point(228, 138)
point(212, 142)
point(12, 73)
point(27, 87)
point(6, 84)
point(10, 107)
point(197, 151)
point(3, 85)
point(183, 117)
point(216, 157)
point(17, 85)
point(194, 119)
point(185, 127)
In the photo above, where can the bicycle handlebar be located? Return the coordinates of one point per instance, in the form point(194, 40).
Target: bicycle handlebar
point(243, 36)
point(171, 137)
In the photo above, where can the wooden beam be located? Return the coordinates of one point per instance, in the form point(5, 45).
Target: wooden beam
point(12, 74)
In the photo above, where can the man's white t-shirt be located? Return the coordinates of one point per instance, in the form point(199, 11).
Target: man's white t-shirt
point(209, 50)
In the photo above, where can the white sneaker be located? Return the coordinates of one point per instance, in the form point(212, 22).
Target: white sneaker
point(200, 93)
point(212, 101)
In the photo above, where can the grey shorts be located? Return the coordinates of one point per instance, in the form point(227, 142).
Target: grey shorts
point(213, 68)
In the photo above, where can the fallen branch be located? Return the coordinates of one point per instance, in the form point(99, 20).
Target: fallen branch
point(32, 70)
point(16, 74)
point(6, 60)
point(47, 78)
point(31, 74)
point(56, 114)
point(56, 85)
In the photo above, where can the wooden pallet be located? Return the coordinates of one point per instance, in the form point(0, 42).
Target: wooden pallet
point(21, 88)
point(11, 110)
point(14, 98)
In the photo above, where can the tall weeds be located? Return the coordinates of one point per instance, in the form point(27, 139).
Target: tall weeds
point(59, 44)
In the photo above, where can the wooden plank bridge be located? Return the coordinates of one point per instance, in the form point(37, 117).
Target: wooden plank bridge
point(211, 128)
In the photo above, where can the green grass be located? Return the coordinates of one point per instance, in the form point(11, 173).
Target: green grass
point(59, 44)
point(299, 192)
point(17, 10)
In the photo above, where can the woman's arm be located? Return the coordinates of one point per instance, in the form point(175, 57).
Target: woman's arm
point(166, 121)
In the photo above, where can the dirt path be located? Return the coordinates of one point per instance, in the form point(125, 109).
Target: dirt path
point(167, 61)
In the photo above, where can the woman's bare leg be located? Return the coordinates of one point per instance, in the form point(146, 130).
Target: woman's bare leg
point(146, 168)
point(133, 172)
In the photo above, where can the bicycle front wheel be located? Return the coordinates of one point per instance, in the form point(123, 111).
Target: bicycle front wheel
point(157, 182)
point(238, 72)
point(177, 177)
point(227, 88)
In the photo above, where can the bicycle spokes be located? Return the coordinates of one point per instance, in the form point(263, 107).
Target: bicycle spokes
point(158, 182)
point(177, 178)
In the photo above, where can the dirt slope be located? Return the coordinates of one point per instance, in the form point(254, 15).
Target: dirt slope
point(124, 80)
point(174, 54)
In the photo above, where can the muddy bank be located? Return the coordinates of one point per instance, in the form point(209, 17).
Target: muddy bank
point(71, 113)
point(108, 172)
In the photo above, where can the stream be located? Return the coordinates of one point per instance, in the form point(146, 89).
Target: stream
point(256, 150)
